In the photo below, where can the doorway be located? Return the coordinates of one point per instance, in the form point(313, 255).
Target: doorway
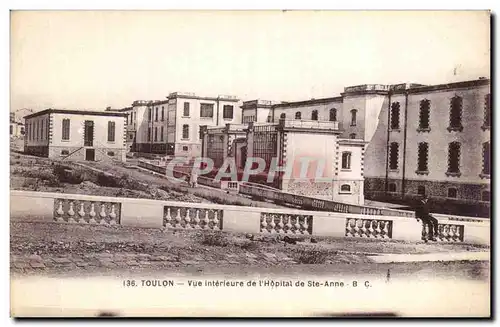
point(89, 133)
point(90, 154)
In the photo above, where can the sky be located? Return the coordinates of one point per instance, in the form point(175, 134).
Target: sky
point(96, 59)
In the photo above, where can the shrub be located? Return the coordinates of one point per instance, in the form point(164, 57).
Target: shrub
point(65, 174)
point(214, 239)
point(249, 246)
point(107, 180)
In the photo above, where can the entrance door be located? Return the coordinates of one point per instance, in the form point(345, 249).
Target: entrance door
point(90, 154)
point(89, 133)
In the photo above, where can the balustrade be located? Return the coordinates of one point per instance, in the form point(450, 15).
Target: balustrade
point(192, 218)
point(285, 224)
point(87, 212)
point(368, 228)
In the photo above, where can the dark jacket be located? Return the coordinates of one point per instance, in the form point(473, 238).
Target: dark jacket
point(423, 209)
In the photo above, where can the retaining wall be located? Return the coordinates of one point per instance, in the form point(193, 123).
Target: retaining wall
point(86, 209)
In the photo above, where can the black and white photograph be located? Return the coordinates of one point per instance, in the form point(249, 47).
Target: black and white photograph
point(250, 163)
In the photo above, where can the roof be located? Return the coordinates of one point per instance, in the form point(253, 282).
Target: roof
point(76, 112)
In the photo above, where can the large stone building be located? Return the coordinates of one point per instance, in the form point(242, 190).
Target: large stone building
point(433, 140)
point(320, 163)
point(76, 135)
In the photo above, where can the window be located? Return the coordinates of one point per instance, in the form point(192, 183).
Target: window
point(185, 131)
point(185, 148)
point(352, 135)
point(111, 153)
point(65, 129)
point(421, 190)
point(186, 109)
point(424, 115)
point(283, 116)
point(353, 117)
point(156, 114)
point(131, 136)
point(392, 187)
point(345, 188)
point(453, 158)
point(346, 160)
point(485, 196)
point(227, 112)
point(64, 152)
point(149, 134)
point(333, 114)
point(423, 157)
point(298, 115)
point(111, 131)
point(455, 114)
point(395, 115)
point(452, 192)
point(314, 115)
point(393, 156)
point(162, 113)
point(156, 134)
point(41, 132)
point(487, 111)
point(206, 110)
point(11, 129)
point(486, 158)
point(150, 114)
point(161, 134)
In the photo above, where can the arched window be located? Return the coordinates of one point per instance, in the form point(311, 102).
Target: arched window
point(185, 131)
point(454, 158)
point(283, 116)
point(423, 157)
point(394, 156)
point(452, 192)
point(314, 115)
point(353, 117)
point(395, 115)
point(456, 104)
point(298, 115)
point(345, 188)
point(333, 114)
point(352, 135)
point(424, 115)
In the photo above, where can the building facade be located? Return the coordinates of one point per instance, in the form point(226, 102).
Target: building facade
point(76, 135)
point(320, 164)
point(432, 140)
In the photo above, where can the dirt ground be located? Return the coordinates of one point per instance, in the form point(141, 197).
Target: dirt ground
point(37, 174)
point(41, 248)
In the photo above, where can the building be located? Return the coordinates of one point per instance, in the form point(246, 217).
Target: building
point(187, 112)
point(76, 135)
point(16, 128)
point(333, 167)
point(432, 140)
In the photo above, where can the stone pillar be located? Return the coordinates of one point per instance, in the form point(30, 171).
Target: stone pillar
point(204, 140)
point(250, 140)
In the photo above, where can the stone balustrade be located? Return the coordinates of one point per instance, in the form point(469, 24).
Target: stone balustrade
point(87, 209)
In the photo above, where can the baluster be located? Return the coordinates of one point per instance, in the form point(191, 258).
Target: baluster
point(216, 220)
point(197, 219)
point(289, 224)
point(206, 219)
point(92, 213)
point(281, 225)
point(187, 219)
point(81, 212)
point(112, 214)
point(272, 224)
point(71, 213)
point(60, 210)
point(102, 214)
point(178, 219)
point(297, 224)
point(264, 222)
point(305, 225)
point(168, 218)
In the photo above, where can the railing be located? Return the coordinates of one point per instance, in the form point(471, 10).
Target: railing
point(87, 209)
